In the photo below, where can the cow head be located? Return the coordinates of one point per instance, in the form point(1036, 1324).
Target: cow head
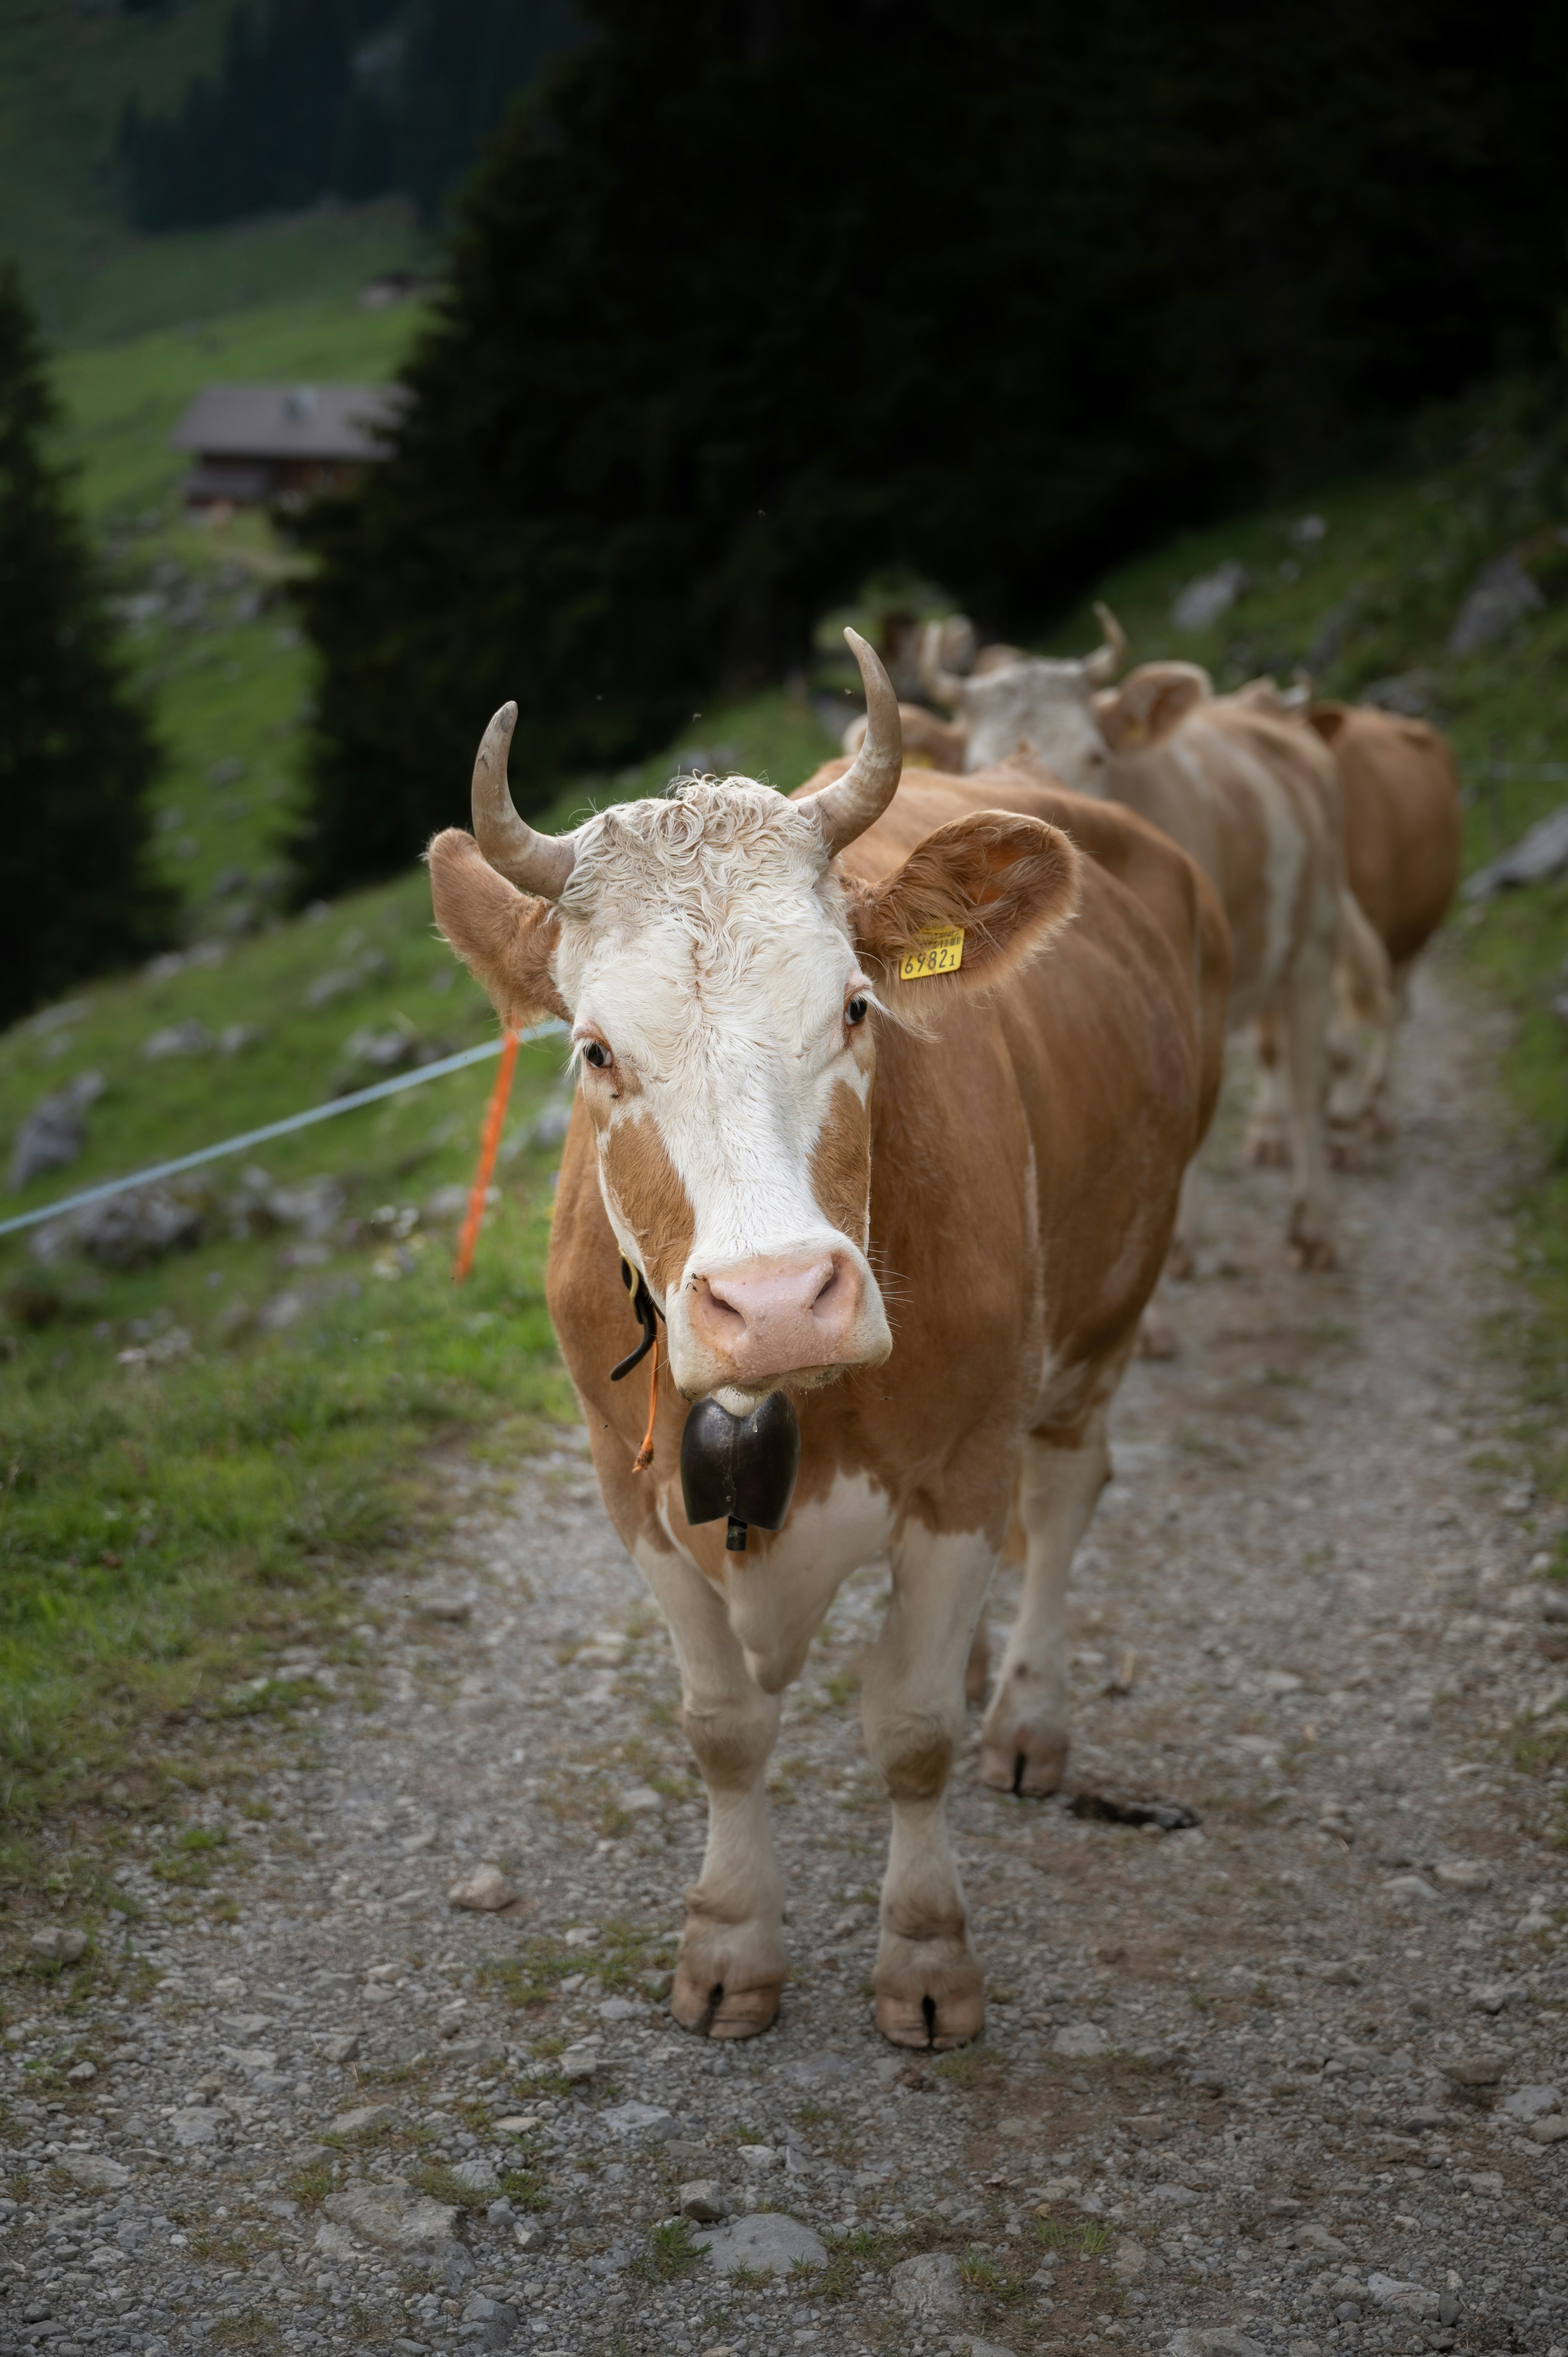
point(1032, 700)
point(1063, 711)
point(722, 981)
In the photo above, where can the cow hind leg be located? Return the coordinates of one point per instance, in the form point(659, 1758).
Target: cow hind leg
point(1024, 1742)
point(1181, 1261)
point(977, 1669)
point(1307, 1010)
point(730, 1970)
point(931, 1990)
point(1268, 1141)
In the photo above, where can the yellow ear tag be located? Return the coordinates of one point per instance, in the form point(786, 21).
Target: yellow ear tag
point(941, 951)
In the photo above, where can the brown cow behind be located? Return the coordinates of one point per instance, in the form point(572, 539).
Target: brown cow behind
point(1403, 834)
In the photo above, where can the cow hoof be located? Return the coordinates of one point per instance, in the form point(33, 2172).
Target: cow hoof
point(1033, 1774)
point(1268, 1151)
point(711, 2009)
point(1344, 1154)
point(943, 2007)
point(1156, 1340)
point(1312, 1252)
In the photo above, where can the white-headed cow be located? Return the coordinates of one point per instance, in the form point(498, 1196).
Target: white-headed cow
point(928, 1211)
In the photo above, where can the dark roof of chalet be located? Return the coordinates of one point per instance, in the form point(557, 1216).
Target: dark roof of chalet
point(322, 422)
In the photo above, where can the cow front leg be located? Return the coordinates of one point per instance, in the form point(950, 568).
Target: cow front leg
point(730, 1967)
point(930, 1991)
point(1024, 1742)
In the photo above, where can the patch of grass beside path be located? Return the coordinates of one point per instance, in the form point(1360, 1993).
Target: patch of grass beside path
point(171, 1518)
point(166, 1530)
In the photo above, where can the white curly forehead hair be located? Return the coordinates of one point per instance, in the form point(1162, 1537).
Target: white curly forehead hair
point(715, 846)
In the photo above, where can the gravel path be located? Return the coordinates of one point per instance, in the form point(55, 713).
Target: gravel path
point(1285, 2081)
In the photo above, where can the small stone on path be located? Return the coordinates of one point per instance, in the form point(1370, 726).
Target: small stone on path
point(438, 1606)
point(702, 2201)
point(1410, 1889)
point(364, 2117)
point(1476, 2069)
point(768, 2243)
point(1465, 1874)
point(1221, 2341)
point(927, 2285)
point(475, 2177)
point(486, 1891)
point(1530, 2103)
point(651, 2120)
point(393, 2217)
point(1081, 2039)
point(93, 2171)
point(195, 2124)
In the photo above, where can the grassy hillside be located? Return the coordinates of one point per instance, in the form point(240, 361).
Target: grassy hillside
point(65, 72)
point(210, 636)
point(195, 1454)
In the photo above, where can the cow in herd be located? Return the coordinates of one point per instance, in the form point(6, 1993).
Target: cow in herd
point(886, 1096)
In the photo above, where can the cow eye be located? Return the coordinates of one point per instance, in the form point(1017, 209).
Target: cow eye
point(598, 1055)
point(856, 1012)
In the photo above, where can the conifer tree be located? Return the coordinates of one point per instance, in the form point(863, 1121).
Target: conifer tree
point(77, 892)
point(755, 298)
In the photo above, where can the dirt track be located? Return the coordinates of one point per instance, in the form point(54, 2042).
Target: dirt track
point(1261, 2083)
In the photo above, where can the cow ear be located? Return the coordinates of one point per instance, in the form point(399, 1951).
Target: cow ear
point(506, 940)
point(1151, 704)
point(1007, 883)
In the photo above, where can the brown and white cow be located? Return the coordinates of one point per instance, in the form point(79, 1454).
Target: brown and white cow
point(1250, 797)
point(1403, 844)
point(945, 651)
point(1403, 832)
point(931, 1210)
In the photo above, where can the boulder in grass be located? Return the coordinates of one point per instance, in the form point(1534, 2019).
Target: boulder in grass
point(191, 1037)
point(1501, 595)
point(58, 1943)
point(485, 1891)
point(767, 2244)
point(54, 1131)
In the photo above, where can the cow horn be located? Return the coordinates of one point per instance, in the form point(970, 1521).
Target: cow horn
point(941, 686)
point(858, 799)
point(539, 863)
point(1102, 666)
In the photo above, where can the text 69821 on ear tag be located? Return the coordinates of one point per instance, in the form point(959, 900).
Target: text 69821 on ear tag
point(941, 951)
